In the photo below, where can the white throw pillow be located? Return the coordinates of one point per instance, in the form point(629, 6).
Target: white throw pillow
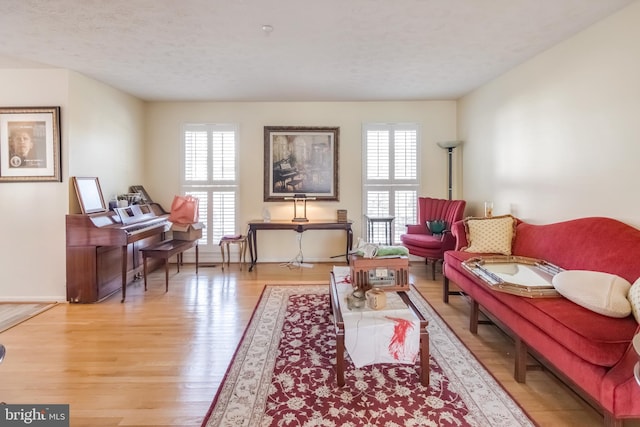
point(603, 293)
point(490, 235)
point(634, 299)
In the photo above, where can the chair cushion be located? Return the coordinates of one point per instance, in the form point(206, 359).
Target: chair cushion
point(490, 235)
point(603, 293)
point(427, 241)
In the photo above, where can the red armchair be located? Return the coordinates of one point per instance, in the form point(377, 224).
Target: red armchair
point(421, 242)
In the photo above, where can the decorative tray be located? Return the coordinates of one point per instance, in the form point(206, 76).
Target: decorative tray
point(522, 276)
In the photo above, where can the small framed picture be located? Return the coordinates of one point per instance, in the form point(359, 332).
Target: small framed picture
point(144, 196)
point(89, 194)
point(30, 144)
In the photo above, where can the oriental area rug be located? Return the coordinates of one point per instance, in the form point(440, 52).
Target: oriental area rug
point(283, 374)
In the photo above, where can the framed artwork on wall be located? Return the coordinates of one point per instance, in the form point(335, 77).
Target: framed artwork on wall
point(301, 160)
point(30, 144)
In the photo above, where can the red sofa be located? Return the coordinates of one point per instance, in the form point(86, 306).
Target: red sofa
point(590, 352)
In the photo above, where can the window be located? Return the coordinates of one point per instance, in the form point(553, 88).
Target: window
point(211, 175)
point(391, 176)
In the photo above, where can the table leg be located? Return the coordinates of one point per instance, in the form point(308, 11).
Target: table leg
point(166, 274)
point(424, 357)
point(253, 247)
point(242, 246)
point(144, 267)
point(197, 258)
point(340, 358)
point(387, 232)
point(222, 253)
point(124, 272)
point(349, 243)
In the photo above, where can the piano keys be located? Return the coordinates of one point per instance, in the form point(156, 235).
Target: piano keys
point(103, 249)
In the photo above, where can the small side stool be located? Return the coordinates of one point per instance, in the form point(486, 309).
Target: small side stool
point(239, 240)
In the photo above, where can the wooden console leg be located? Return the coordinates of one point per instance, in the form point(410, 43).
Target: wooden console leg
point(473, 317)
point(520, 368)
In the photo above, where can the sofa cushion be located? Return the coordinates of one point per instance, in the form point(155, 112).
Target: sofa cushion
point(634, 299)
point(603, 293)
point(490, 235)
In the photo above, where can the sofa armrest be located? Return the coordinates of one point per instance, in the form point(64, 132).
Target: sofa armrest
point(417, 229)
point(460, 234)
point(620, 390)
point(448, 240)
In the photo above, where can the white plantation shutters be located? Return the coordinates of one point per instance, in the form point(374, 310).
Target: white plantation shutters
point(210, 174)
point(391, 175)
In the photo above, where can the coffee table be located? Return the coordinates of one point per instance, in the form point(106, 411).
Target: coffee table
point(339, 307)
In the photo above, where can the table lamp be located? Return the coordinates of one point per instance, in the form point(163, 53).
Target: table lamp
point(300, 207)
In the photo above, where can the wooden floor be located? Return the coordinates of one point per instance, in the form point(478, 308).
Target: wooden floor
point(158, 359)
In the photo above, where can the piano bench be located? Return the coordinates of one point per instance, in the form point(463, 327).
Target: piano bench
point(165, 250)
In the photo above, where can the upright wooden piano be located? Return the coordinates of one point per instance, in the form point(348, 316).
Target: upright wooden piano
point(103, 249)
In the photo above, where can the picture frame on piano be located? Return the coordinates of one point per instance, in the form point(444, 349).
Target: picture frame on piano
point(301, 160)
point(144, 196)
point(89, 194)
point(30, 144)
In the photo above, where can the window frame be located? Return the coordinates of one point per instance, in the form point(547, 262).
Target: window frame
point(391, 184)
point(211, 186)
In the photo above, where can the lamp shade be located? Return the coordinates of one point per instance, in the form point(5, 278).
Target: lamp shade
point(449, 144)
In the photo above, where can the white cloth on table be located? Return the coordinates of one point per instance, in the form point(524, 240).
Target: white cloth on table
point(371, 336)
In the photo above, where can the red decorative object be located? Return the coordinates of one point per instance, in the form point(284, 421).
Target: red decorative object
point(184, 210)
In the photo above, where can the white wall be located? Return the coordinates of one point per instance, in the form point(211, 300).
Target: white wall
point(102, 133)
point(559, 136)
point(164, 124)
point(106, 136)
point(32, 258)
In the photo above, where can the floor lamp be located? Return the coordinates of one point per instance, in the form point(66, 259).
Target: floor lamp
point(449, 146)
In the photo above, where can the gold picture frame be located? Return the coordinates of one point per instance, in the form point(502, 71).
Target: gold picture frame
point(301, 160)
point(30, 144)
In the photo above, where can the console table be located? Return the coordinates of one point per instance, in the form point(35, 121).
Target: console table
point(300, 227)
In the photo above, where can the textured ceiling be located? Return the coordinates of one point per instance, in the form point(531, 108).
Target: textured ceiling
point(322, 50)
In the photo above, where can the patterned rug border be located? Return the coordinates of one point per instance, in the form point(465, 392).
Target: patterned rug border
point(446, 362)
point(15, 320)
